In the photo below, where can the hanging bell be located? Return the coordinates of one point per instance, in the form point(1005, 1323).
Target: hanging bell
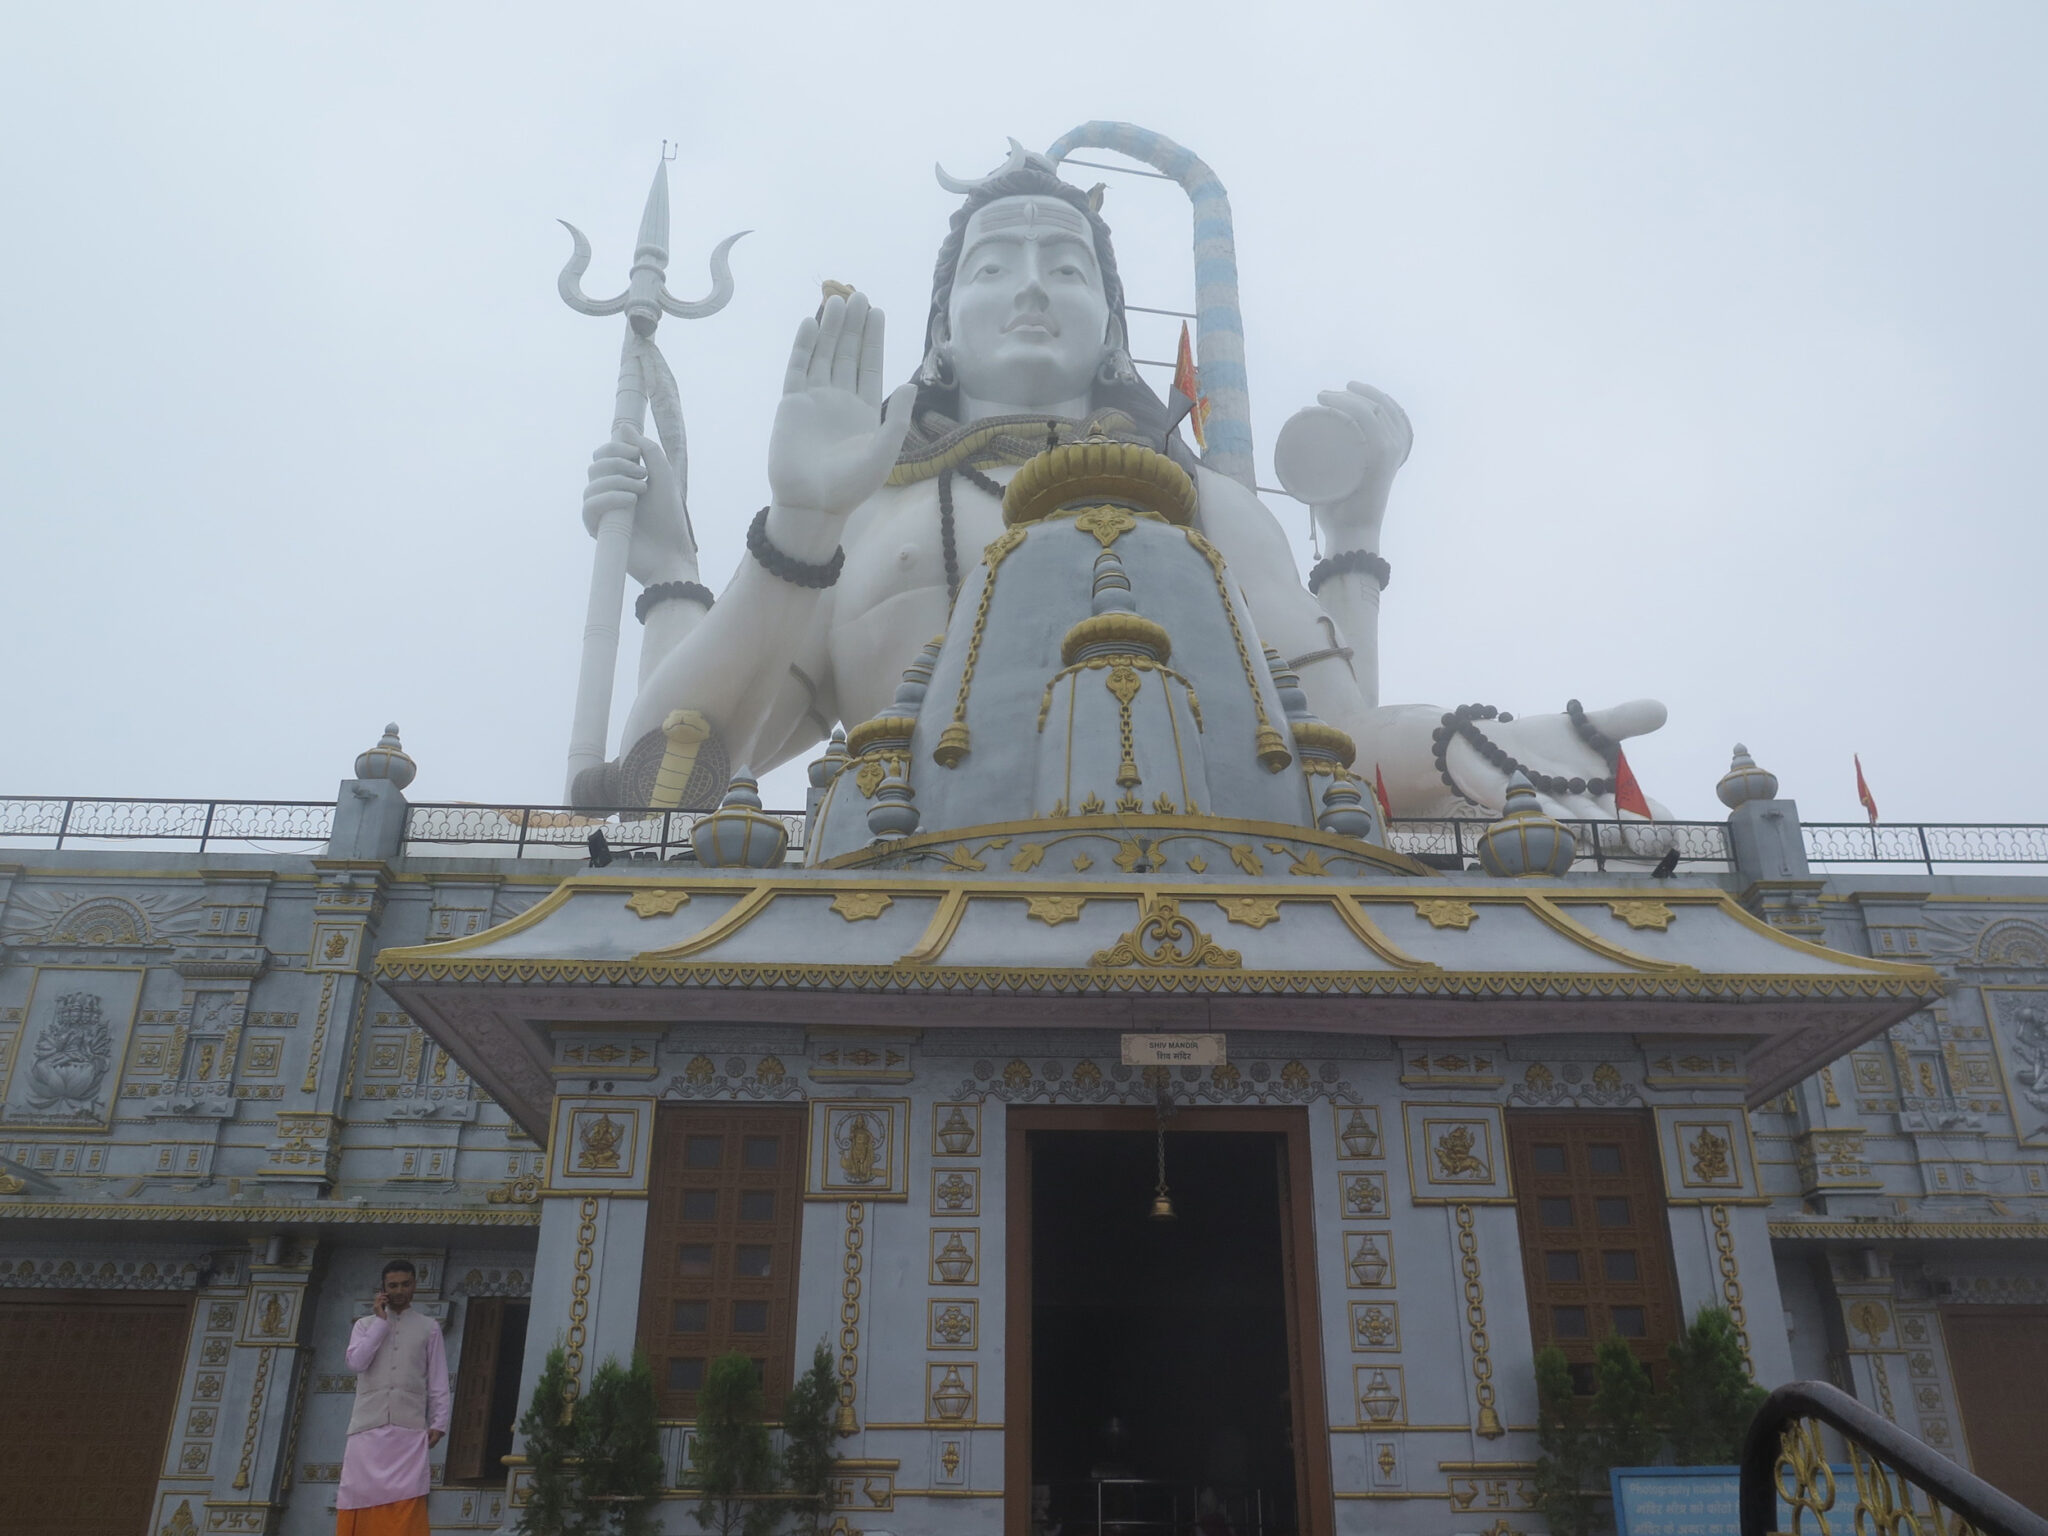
point(1162, 1206)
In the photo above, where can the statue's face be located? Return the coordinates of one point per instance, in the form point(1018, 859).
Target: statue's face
point(1028, 317)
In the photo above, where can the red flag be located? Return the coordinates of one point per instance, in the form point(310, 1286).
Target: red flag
point(1379, 793)
point(1185, 383)
point(1628, 794)
point(1863, 792)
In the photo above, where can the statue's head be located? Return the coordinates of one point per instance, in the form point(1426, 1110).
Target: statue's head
point(1027, 307)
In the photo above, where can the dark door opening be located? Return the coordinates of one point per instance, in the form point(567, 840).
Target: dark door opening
point(1162, 1391)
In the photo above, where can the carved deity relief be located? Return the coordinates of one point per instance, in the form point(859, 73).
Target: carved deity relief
point(73, 1043)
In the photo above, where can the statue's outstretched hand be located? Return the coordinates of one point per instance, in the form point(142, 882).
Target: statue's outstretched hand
point(1340, 456)
point(1556, 746)
point(632, 473)
point(834, 443)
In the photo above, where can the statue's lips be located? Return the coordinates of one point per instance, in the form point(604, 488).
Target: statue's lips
point(1033, 325)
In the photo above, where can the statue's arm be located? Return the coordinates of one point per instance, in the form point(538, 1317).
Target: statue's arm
point(1341, 681)
point(832, 446)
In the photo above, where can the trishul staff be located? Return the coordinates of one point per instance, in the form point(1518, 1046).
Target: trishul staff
point(643, 375)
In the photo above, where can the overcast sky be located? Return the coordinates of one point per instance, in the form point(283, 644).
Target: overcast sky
point(1722, 328)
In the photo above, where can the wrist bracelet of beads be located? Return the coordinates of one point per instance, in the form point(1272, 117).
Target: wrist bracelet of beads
point(798, 573)
point(661, 591)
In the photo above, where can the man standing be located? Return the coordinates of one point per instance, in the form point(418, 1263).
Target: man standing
point(401, 1411)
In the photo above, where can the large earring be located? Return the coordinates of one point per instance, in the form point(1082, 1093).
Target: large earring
point(936, 371)
point(1116, 366)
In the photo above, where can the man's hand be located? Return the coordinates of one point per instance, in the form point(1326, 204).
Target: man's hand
point(435, 1437)
point(632, 474)
point(381, 1305)
point(833, 443)
point(1340, 456)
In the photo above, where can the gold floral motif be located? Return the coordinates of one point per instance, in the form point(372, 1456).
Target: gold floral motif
point(771, 1071)
point(856, 906)
point(1447, 914)
point(1087, 1074)
point(1242, 856)
point(656, 903)
point(1606, 1078)
point(181, 1523)
point(949, 1459)
point(1163, 937)
point(1164, 806)
point(1016, 1074)
point(1082, 861)
point(1106, 523)
point(1252, 911)
point(1642, 914)
point(1196, 862)
point(1294, 1075)
point(1054, 910)
point(1093, 805)
point(1538, 1076)
point(1386, 1458)
point(699, 1071)
point(1128, 803)
point(1027, 857)
point(953, 1324)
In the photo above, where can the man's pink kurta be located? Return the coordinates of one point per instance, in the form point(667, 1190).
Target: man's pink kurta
point(389, 1463)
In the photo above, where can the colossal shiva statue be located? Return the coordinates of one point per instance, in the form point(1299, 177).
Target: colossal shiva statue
point(878, 505)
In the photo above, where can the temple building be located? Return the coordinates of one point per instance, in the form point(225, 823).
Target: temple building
point(1143, 1119)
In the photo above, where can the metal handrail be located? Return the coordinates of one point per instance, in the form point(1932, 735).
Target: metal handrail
point(1781, 1438)
point(1453, 841)
point(561, 831)
point(142, 818)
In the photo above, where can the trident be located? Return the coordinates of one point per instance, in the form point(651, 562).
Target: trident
point(643, 376)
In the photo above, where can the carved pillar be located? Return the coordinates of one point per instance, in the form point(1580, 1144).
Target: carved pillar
point(593, 1233)
point(307, 1151)
point(1875, 1356)
point(224, 1469)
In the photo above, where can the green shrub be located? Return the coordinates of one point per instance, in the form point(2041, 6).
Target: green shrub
point(733, 1458)
point(550, 1508)
point(618, 1445)
point(810, 1426)
point(1712, 1397)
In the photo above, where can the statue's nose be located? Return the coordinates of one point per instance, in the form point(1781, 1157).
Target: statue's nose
point(1033, 295)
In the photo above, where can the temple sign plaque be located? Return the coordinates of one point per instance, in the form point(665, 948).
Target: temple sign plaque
point(1173, 1051)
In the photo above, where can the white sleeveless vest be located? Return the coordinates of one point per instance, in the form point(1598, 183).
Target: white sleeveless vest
point(394, 1388)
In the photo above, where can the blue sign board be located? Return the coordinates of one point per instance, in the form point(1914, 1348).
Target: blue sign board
point(1676, 1501)
point(1690, 1501)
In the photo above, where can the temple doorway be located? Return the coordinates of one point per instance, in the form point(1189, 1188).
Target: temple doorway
point(1166, 1370)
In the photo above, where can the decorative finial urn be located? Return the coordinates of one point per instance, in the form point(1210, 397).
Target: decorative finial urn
point(1744, 781)
point(1525, 841)
point(387, 760)
point(738, 835)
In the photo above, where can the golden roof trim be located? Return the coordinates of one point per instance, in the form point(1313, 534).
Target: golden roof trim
point(1099, 469)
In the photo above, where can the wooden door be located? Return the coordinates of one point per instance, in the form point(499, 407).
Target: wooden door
point(1596, 1250)
point(724, 1216)
point(1999, 1357)
point(92, 1382)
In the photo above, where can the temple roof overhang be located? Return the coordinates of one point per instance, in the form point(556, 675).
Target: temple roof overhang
point(1450, 959)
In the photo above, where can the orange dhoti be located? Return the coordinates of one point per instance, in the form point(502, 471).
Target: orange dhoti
point(405, 1517)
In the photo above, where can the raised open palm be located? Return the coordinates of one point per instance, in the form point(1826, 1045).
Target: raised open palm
point(833, 442)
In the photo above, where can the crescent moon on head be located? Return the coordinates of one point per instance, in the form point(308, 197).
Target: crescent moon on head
point(954, 184)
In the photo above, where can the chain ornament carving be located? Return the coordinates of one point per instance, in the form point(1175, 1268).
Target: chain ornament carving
point(263, 1359)
point(579, 1302)
point(1490, 1426)
point(849, 1317)
point(1731, 1282)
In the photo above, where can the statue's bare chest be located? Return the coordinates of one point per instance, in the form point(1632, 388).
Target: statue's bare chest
point(896, 543)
